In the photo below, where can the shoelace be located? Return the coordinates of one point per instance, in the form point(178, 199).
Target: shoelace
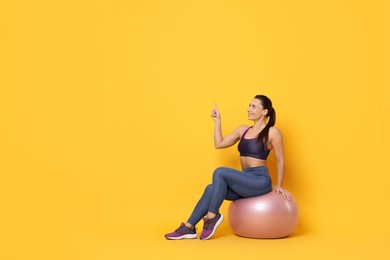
point(182, 230)
point(209, 224)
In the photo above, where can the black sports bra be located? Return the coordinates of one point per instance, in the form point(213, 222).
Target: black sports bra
point(252, 147)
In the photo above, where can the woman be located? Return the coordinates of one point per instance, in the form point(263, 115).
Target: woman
point(255, 143)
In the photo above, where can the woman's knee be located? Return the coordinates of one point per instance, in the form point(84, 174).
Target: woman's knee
point(220, 172)
point(217, 173)
point(208, 189)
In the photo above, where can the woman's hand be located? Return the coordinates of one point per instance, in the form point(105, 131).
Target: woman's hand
point(286, 195)
point(215, 115)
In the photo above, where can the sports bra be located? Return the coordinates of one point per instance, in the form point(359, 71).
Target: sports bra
point(252, 147)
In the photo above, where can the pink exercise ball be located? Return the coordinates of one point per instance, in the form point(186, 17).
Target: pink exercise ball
point(265, 216)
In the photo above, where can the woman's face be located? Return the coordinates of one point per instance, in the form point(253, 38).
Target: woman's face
point(255, 110)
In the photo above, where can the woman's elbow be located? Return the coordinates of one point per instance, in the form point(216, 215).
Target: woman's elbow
point(218, 146)
point(279, 159)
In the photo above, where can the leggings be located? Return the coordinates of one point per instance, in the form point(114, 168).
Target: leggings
point(231, 184)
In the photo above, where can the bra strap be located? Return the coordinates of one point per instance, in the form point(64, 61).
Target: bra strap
point(243, 135)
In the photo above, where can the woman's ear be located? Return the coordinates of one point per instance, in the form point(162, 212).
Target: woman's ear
point(265, 112)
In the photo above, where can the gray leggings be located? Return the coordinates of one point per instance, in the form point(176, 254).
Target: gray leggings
point(231, 184)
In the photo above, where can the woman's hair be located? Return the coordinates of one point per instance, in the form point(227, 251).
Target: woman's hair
point(267, 104)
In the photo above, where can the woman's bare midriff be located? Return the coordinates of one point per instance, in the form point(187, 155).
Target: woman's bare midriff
point(249, 162)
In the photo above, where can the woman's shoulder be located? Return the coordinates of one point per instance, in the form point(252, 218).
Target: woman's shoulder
point(273, 131)
point(241, 129)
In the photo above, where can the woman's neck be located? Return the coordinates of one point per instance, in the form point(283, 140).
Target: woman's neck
point(259, 125)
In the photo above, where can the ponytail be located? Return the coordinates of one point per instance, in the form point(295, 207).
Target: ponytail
point(267, 104)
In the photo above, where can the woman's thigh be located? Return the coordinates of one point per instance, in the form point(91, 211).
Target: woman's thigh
point(244, 184)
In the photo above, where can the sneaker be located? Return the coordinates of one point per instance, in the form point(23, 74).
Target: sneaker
point(210, 225)
point(182, 232)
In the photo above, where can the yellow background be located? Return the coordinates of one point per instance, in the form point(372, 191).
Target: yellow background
point(107, 142)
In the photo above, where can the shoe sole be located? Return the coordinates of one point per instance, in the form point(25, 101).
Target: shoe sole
point(215, 228)
point(188, 236)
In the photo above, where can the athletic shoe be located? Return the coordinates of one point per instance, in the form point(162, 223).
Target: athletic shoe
point(210, 225)
point(182, 232)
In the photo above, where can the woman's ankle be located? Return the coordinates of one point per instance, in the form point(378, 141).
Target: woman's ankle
point(210, 215)
point(189, 225)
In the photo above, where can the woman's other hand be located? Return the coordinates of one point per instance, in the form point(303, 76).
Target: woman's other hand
point(286, 195)
point(215, 115)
